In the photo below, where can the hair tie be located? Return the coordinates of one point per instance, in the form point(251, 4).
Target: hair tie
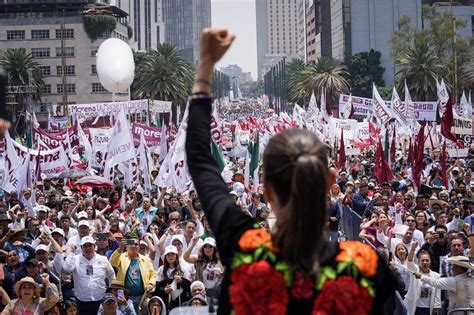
point(300, 154)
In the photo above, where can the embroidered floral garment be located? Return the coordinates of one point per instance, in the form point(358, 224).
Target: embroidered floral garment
point(262, 284)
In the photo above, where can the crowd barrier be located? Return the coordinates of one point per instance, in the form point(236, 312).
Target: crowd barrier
point(350, 223)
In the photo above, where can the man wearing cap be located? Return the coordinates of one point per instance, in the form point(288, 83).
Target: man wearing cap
point(90, 272)
point(84, 230)
point(460, 286)
point(109, 305)
point(342, 180)
point(34, 269)
point(134, 270)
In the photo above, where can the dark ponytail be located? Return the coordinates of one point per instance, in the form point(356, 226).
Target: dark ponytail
point(295, 165)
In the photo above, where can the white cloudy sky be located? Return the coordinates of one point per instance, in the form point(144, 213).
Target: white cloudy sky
point(239, 17)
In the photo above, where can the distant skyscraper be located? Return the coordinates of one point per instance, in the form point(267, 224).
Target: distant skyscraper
point(146, 20)
point(184, 21)
point(277, 32)
point(350, 27)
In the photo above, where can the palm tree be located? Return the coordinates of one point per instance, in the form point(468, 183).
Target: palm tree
point(164, 75)
point(19, 64)
point(297, 89)
point(420, 66)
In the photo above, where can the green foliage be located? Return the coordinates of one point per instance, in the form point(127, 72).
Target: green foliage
point(364, 69)
point(437, 35)
point(129, 30)
point(322, 74)
point(420, 67)
point(252, 89)
point(163, 74)
point(385, 92)
point(96, 25)
point(297, 88)
point(18, 63)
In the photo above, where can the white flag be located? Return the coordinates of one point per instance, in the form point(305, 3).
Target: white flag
point(298, 113)
point(145, 164)
point(323, 111)
point(380, 109)
point(18, 177)
point(443, 96)
point(466, 107)
point(410, 107)
point(120, 147)
point(35, 121)
point(163, 144)
point(348, 108)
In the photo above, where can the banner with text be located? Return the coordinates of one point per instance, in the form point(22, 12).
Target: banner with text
point(152, 135)
point(364, 106)
point(160, 107)
point(83, 111)
point(336, 124)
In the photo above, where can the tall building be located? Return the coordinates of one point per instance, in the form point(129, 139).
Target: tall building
point(184, 21)
point(234, 71)
point(146, 21)
point(348, 27)
point(69, 73)
point(279, 36)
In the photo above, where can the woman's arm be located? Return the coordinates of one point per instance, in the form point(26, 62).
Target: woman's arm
point(411, 254)
point(226, 219)
point(187, 255)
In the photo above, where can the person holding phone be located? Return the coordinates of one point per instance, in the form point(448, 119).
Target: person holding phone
point(135, 271)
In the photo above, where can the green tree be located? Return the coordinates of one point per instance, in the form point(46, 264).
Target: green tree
point(438, 34)
point(326, 75)
point(252, 88)
point(164, 75)
point(364, 69)
point(420, 67)
point(322, 74)
point(18, 63)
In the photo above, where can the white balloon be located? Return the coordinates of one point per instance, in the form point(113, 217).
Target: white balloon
point(115, 65)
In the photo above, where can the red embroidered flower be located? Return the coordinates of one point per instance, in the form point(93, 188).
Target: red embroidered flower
point(258, 289)
point(343, 296)
point(302, 288)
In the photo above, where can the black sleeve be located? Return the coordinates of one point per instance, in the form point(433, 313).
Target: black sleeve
point(227, 220)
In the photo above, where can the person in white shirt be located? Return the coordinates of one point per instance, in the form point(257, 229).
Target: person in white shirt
point(84, 230)
point(90, 272)
point(460, 285)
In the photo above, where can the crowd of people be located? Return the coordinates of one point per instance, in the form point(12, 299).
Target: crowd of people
point(70, 249)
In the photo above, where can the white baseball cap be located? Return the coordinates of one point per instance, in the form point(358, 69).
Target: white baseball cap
point(210, 241)
point(170, 249)
point(42, 247)
point(87, 240)
point(59, 231)
point(83, 223)
point(82, 215)
point(42, 208)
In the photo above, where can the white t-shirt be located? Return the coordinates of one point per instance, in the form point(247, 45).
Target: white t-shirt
point(425, 295)
point(210, 275)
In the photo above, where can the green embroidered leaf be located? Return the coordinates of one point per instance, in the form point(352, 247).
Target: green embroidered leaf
point(271, 256)
point(257, 252)
point(247, 258)
point(355, 271)
point(282, 266)
point(322, 279)
point(368, 285)
point(341, 266)
point(329, 272)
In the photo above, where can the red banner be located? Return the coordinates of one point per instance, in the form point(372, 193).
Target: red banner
point(151, 134)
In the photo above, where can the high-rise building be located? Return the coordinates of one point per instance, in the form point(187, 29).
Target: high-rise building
point(184, 21)
point(67, 58)
point(146, 21)
point(349, 27)
point(277, 32)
